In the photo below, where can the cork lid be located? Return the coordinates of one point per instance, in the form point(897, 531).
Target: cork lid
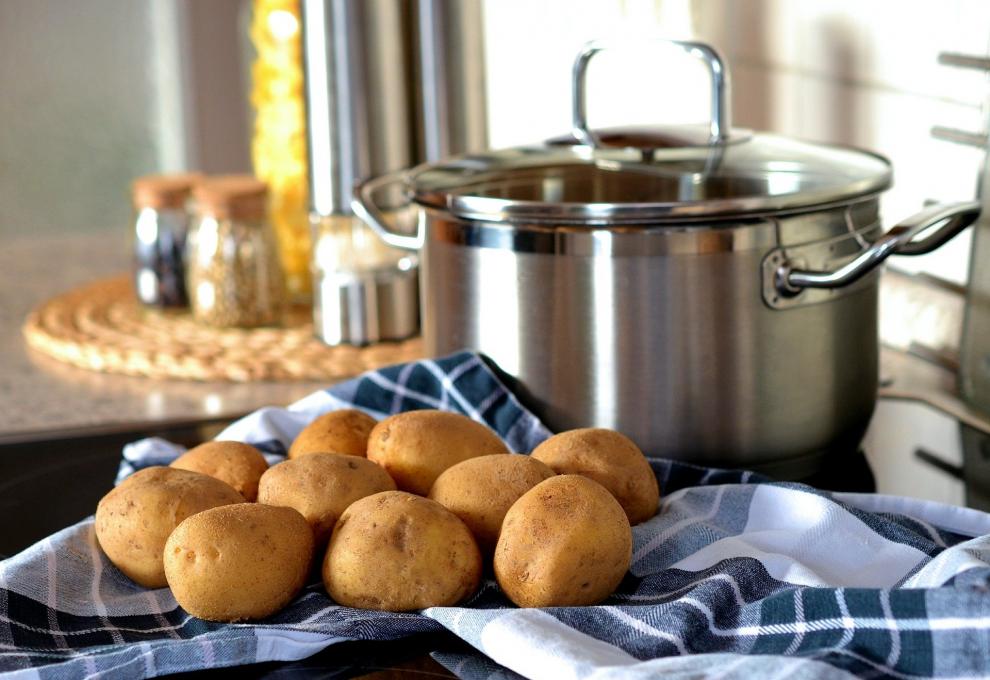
point(163, 191)
point(239, 197)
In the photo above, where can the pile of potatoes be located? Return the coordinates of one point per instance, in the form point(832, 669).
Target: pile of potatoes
point(404, 513)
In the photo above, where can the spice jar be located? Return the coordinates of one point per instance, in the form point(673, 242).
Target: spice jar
point(161, 223)
point(233, 272)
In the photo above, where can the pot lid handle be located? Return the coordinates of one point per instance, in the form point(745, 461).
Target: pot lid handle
point(720, 123)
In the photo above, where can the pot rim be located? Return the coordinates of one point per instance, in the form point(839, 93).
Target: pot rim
point(643, 221)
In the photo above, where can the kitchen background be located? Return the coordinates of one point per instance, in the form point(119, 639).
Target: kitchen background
point(98, 92)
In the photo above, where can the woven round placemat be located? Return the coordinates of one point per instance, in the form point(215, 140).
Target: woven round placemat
point(102, 327)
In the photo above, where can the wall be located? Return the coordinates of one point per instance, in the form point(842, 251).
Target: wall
point(859, 72)
point(77, 113)
point(95, 93)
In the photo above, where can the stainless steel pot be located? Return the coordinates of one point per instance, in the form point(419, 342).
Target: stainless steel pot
point(712, 294)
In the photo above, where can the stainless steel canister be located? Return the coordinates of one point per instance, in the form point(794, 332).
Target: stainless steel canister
point(386, 87)
point(711, 293)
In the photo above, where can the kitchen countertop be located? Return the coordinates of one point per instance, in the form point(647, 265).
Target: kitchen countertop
point(41, 398)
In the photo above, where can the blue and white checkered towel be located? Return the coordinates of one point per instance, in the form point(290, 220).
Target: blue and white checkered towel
point(735, 577)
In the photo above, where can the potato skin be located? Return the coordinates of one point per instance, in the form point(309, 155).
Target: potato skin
point(238, 562)
point(134, 520)
point(395, 551)
point(344, 431)
point(416, 446)
point(481, 490)
point(565, 543)
point(239, 464)
point(612, 460)
point(321, 487)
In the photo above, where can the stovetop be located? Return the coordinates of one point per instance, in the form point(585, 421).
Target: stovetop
point(913, 449)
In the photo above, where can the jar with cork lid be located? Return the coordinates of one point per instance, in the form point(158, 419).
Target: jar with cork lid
point(162, 218)
point(234, 276)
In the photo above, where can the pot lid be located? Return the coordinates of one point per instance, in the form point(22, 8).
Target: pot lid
point(629, 175)
point(576, 184)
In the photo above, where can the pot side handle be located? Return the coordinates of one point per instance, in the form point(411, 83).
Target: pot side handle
point(364, 206)
point(900, 240)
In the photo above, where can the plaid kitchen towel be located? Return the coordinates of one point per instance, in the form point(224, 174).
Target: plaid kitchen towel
point(736, 577)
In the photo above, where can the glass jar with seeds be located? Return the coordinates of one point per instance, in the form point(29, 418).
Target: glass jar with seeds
point(234, 276)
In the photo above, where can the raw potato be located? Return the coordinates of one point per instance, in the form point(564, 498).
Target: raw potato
point(565, 543)
point(398, 552)
point(321, 487)
point(416, 446)
point(239, 464)
point(481, 490)
point(344, 431)
point(239, 562)
point(135, 519)
point(612, 460)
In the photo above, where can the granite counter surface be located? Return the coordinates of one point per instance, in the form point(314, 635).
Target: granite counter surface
point(41, 398)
